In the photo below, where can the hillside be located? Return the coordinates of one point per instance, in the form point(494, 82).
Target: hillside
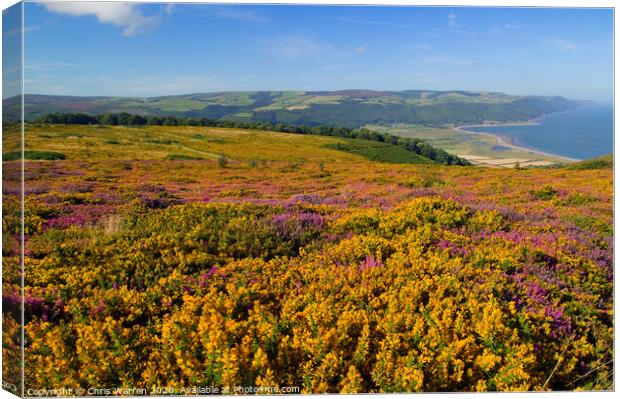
point(389, 143)
point(231, 257)
point(352, 108)
point(76, 142)
point(604, 162)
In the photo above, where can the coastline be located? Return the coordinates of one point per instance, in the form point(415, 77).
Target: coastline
point(529, 122)
point(511, 142)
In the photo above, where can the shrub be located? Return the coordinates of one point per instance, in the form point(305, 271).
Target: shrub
point(33, 155)
point(180, 157)
point(545, 193)
point(222, 161)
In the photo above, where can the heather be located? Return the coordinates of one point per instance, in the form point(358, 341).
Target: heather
point(297, 264)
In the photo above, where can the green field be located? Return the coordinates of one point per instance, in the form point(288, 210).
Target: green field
point(351, 108)
point(461, 143)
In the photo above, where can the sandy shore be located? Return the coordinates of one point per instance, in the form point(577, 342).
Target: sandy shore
point(510, 142)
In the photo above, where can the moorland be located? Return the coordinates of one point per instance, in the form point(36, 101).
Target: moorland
point(193, 255)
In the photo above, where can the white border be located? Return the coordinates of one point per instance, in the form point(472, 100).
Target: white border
point(481, 3)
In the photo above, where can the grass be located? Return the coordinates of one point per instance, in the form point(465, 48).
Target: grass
point(300, 101)
point(193, 142)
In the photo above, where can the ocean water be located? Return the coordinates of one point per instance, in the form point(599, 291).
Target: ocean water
point(582, 133)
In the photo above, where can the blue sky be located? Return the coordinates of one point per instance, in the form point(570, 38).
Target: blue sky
point(148, 50)
point(11, 51)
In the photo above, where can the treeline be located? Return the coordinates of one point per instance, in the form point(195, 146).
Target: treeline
point(414, 145)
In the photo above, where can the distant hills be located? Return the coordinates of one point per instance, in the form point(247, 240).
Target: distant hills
point(350, 108)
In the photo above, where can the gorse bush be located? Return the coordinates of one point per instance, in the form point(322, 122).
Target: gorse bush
point(545, 193)
point(427, 296)
point(312, 268)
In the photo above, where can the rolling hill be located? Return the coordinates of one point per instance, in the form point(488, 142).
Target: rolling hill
point(352, 108)
point(103, 142)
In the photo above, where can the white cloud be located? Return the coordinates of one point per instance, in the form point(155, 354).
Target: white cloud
point(360, 49)
point(124, 15)
point(512, 26)
point(52, 66)
point(169, 8)
point(566, 45)
point(135, 85)
point(27, 29)
point(452, 19)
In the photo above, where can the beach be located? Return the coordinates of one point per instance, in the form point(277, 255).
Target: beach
point(511, 142)
point(581, 133)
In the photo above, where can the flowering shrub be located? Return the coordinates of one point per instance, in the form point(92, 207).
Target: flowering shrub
point(433, 298)
point(154, 275)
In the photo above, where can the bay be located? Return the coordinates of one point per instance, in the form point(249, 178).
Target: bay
point(582, 133)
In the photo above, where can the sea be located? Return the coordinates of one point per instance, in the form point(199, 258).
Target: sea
point(582, 133)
